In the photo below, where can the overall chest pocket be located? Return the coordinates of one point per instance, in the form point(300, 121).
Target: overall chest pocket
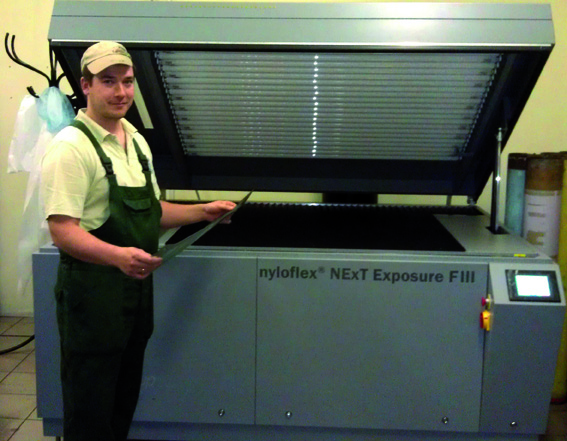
point(138, 205)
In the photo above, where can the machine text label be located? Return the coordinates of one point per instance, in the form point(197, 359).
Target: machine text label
point(368, 274)
point(293, 272)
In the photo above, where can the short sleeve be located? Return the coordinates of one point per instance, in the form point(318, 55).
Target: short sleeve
point(65, 180)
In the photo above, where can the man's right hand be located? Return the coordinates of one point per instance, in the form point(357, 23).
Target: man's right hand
point(136, 263)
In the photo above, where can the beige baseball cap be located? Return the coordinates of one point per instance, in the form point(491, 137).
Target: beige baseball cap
point(104, 54)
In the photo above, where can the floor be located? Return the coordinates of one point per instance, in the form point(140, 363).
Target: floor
point(18, 416)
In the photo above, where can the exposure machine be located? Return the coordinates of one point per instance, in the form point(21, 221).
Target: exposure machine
point(345, 319)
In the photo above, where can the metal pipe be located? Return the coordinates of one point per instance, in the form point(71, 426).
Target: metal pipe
point(494, 212)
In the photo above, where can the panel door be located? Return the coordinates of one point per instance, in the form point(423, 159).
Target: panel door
point(200, 360)
point(380, 345)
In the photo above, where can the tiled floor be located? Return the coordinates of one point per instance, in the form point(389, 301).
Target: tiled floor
point(18, 417)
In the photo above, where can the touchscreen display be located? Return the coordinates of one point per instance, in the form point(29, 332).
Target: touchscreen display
point(532, 286)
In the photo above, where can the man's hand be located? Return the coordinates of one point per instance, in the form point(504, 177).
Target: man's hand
point(177, 215)
point(136, 263)
point(216, 209)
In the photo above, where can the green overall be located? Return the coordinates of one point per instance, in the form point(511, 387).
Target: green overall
point(105, 317)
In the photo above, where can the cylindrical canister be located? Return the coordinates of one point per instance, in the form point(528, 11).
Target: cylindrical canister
point(515, 187)
point(559, 393)
point(542, 204)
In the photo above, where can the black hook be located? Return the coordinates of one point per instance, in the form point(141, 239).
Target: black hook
point(52, 80)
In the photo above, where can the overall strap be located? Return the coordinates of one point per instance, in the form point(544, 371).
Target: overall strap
point(145, 166)
point(141, 157)
point(106, 162)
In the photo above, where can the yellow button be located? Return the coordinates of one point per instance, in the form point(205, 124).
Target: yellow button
point(485, 320)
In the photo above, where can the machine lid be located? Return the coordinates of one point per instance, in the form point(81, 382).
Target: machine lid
point(340, 97)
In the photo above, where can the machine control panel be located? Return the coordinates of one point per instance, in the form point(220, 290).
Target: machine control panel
point(532, 286)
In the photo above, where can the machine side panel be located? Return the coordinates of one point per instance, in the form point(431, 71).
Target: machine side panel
point(47, 349)
point(200, 360)
point(520, 357)
point(365, 345)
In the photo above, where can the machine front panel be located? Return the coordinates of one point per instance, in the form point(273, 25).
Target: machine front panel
point(370, 344)
point(329, 345)
point(200, 362)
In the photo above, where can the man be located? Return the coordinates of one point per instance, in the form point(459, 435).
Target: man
point(101, 203)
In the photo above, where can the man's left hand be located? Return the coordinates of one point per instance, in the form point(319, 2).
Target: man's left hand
point(213, 210)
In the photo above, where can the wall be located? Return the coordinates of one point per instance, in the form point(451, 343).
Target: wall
point(542, 126)
point(29, 21)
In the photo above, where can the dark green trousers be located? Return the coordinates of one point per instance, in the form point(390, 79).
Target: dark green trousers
point(105, 320)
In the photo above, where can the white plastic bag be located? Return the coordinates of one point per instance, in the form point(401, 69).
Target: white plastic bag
point(26, 133)
point(34, 232)
point(38, 121)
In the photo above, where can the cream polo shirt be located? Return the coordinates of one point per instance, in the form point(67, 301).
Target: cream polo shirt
point(73, 181)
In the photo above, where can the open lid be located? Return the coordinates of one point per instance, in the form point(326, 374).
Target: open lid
point(326, 97)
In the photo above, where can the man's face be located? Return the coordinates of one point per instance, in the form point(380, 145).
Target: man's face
point(111, 92)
